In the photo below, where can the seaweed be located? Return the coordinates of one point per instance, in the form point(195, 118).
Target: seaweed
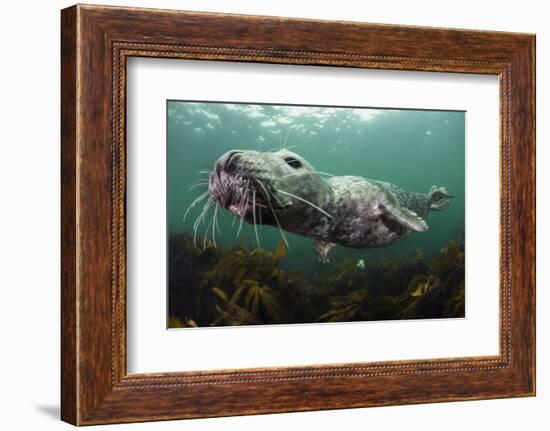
point(349, 277)
point(174, 322)
point(230, 313)
point(440, 293)
point(246, 286)
point(354, 306)
point(413, 289)
point(392, 277)
point(187, 263)
point(252, 280)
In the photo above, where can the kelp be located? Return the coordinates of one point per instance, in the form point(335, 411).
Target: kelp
point(414, 289)
point(174, 322)
point(441, 292)
point(248, 286)
point(347, 277)
point(392, 277)
point(348, 308)
point(240, 264)
point(186, 301)
point(232, 314)
point(252, 280)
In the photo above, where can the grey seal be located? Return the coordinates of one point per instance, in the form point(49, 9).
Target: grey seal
point(284, 190)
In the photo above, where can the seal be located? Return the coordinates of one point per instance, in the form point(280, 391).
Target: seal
point(284, 190)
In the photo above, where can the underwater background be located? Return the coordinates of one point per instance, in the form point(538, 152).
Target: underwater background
point(238, 282)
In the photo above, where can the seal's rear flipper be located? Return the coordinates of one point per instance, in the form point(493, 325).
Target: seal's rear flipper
point(440, 198)
point(405, 217)
point(322, 248)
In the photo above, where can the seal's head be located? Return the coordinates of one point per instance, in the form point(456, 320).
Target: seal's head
point(271, 184)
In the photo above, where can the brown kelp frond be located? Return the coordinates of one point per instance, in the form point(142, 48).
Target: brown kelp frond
point(262, 298)
point(250, 280)
point(186, 264)
point(280, 252)
point(398, 289)
point(422, 284)
point(174, 322)
point(248, 286)
point(398, 274)
point(231, 314)
point(439, 293)
point(344, 278)
point(450, 261)
point(347, 308)
point(455, 305)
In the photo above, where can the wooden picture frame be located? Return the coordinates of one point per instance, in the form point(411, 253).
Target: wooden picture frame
point(95, 43)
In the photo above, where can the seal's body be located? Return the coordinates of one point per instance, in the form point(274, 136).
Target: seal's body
point(282, 189)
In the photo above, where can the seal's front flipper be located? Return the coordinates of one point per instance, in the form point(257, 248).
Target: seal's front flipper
point(322, 248)
point(405, 217)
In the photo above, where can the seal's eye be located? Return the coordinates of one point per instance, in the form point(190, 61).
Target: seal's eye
point(293, 163)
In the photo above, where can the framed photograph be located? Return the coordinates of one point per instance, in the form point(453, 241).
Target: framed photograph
point(224, 175)
point(317, 215)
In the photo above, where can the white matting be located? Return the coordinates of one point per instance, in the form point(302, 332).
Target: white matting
point(153, 348)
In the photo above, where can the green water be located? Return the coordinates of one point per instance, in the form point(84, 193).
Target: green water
point(413, 149)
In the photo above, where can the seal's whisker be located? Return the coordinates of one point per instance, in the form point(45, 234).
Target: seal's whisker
point(213, 221)
point(241, 204)
point(195, 202)
point(205, 209)
point(206, 235)
point(234, 216)
point(278, 201)
point(241, 222)
point(323, 173)
point(260, 217)
point(196, 227)
point(194, 186)
point(266, 193)
point(286, 138)
point(201, 180)
point(312, 172)
point(254, 217)
point(306, 202)
point(218, 224)
point(240, 227)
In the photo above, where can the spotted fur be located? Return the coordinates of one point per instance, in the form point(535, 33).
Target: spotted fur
point(342, 210)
